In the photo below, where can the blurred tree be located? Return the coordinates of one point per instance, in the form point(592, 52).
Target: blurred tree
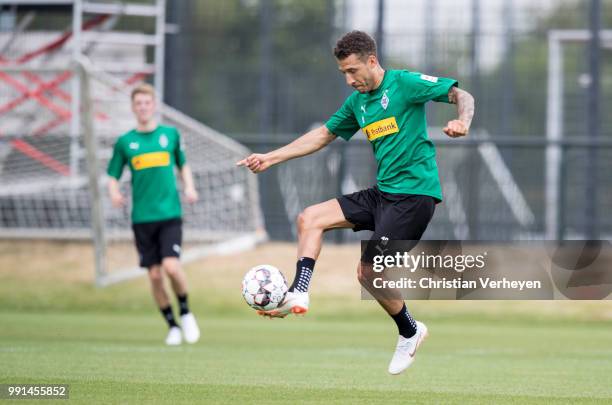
point(223, 46)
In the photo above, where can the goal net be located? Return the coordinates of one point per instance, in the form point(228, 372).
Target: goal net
point(53, 184)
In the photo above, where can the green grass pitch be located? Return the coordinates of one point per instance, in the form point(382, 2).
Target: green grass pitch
point(118, 358)
point(55, 327)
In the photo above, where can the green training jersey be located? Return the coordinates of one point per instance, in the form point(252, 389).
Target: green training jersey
point(151, 157)
point(392, 118)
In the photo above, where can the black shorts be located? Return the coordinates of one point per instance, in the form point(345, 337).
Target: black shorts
point(389, 216)
point(158, 240)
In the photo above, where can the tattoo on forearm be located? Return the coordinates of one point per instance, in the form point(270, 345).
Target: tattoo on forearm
point(465, 104)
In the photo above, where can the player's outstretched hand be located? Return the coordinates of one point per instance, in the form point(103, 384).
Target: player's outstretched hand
point(117, 200)
point(256, 163)
point(191, 195)
point(455, 129)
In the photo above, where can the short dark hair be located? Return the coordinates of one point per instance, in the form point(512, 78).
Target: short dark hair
point(355, 42)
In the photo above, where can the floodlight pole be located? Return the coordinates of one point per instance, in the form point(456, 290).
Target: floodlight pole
point(593, 126)
point(380, 31)
point(473, 166)
point(554, 131)
point(266, 64)
point(160, 45)
point(507, 116)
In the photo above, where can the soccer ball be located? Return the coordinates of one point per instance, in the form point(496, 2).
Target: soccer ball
point(264, 287)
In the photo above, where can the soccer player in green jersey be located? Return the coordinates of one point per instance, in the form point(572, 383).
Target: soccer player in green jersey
point(389, 107)
point(152, 152)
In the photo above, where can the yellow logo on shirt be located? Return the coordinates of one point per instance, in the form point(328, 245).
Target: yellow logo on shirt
point(148, 160)
point(381, 128)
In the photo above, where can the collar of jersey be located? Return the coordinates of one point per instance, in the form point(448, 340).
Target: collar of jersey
point(381, 85)
point(149, 132)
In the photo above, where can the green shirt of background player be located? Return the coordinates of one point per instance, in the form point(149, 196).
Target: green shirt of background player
point(389, 108)
point(152, 152)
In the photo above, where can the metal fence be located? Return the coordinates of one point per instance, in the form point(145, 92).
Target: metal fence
point(286, 79)
point(264, 67)
point(494, 188)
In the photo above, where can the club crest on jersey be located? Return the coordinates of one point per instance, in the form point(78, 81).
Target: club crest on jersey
point(134, 145)
point(163, 140)
point(384, 101)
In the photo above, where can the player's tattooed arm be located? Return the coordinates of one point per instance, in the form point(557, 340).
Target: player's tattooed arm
point(306, 144)
point(465, 111)
point(465, 104)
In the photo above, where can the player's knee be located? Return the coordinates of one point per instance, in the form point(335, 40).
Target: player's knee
point(306, 219)
point(155, 275)
point(303, 220)
point(171, 266)
point(364, 274)
point(361, 277)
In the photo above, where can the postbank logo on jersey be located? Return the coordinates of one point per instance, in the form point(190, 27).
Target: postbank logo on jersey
point(149, 160)
point(381, 128)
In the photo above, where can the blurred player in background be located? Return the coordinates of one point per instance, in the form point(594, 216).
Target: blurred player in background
point(151, 151)
point(389, 106)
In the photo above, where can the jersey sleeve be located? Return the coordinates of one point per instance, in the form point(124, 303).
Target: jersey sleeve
point(344, 123)
point(179, 153)
point(420, 88)
point(117, 161)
